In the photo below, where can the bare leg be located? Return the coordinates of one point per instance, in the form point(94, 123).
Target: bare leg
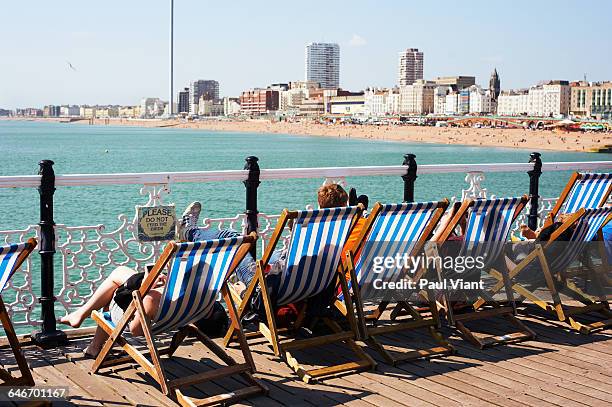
point(95, 346)
point(100, 298)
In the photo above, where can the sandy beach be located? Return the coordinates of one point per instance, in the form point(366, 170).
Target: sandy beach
point(483, 137)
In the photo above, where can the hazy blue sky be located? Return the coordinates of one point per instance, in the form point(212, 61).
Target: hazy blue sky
point(119, 48)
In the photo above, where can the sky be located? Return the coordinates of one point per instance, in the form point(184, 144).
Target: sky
point(117, 51)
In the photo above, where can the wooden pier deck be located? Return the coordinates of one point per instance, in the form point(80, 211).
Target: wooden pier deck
point(559, 368)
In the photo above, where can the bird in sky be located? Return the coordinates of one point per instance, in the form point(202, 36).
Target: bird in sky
point(70, 66)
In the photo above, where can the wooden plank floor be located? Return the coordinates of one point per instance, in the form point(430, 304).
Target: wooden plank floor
point(559, 368)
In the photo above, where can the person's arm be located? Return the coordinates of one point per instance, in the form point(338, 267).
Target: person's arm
point(151, 303)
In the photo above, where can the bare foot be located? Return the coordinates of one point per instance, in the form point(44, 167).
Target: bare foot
point(74, 319)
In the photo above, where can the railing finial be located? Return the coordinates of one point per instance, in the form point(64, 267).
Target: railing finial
point(252, 183)
point(409, 177)
point(534, 185)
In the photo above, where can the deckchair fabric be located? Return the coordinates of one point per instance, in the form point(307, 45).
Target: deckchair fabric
point(586, 230)
point(397, 229)
point(197, 272)
point(588, 191)
point(487, 228)
point(8, 258)
point(314, 252)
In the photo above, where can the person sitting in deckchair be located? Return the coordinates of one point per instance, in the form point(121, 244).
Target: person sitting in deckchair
point(122, 279)
point(328, 196)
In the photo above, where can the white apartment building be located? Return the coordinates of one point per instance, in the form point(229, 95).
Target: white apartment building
point(439, 98)
point(231, 106)
point(417, 98)
point(291, 98)
point(323, 64)
point(451, 103)
point(549, 99)
point(410, 66)
point(481, 100)
point(381, 102)
point(513, 103)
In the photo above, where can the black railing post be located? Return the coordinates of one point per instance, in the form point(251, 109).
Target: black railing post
point(252, 183)
point(409, 177)
point(534, 183)
point(49, 335)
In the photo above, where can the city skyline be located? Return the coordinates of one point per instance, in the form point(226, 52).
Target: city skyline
point(99, 55)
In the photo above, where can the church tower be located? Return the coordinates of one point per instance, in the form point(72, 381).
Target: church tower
point(494, 84)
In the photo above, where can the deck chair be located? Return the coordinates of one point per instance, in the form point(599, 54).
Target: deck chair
point(11, 258)
point(198, 271)
point(313, 264)
point(388, 230)
point(487, 228)
point(583, 190)
point(588, 224)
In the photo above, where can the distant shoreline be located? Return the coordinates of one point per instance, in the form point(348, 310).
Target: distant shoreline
point(484, 137)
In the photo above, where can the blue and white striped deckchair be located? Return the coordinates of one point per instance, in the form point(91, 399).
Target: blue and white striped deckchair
point(584, 190)
point(11, 258)
point(488, 223)
point(314, 252)
point(312, 265)
point(390, 230)
point(587, 224)
point(197, 273)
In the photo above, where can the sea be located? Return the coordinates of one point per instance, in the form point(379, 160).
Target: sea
point(86, 149)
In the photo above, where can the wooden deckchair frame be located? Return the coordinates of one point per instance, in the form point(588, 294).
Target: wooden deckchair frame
point(507, 312)
point(558, 309)
point(370, 332)
point(154, 367)
point(284, 348)
point(575, 177)
point(26, 378)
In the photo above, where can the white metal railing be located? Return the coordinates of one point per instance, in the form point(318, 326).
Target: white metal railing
point(150, 178)
point(88, 253)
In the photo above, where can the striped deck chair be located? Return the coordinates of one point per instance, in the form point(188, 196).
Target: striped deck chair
point(583, 190)
point(11, 258)
point(587, 227)
point(313, 264)
point(487, 229)
point(389, 230)
point(198, 272)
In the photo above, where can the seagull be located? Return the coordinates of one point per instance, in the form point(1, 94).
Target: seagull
point(70, 65)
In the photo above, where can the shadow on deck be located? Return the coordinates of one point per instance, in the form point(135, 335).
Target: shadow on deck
point(558, 368)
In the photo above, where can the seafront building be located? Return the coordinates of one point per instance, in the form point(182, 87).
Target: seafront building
point(549, 99)
point(351, 105)
point(322, 64)
point(591, 100)
point(151, 107)
point(457, 82)
point(231, 106)
point(417, 98)
point(182, 106)
point(207, 88)
point(70, 111)
point(381, 102)
point(410, 67)
point(481, 101)
point(259, 101)
point(494, 84)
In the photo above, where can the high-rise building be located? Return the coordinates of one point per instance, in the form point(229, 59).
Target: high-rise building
point(207, 88)
point(183, 101)
point(410, 66)
point(494, 84)
point(323, 64)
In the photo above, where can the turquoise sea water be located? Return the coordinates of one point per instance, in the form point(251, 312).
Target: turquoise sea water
point(79, 148)
point(82, 149)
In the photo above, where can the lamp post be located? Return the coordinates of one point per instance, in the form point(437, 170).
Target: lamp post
point(171, 100)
